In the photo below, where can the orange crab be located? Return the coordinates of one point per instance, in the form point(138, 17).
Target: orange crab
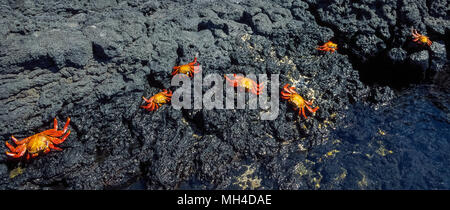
point(295, 99)
point(328, 46)
point(419, 38)
point(188, 69)
point(43, 141)
point(247, 83)
point(157, 100)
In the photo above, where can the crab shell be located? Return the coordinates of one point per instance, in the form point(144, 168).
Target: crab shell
point(328, 46)
point(246, 83)
point(297, 101)
point(419, 38)
point(43, 141)
point(157, 100)
point(187, 69)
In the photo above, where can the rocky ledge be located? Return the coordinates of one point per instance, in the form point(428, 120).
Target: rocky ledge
point(93, 61)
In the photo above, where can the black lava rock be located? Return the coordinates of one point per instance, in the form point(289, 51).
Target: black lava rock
point(262, 24)
point(420, 60)
point(93, 62)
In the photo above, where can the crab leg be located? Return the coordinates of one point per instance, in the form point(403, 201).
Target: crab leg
point(289, 91)
point(309, 102)
point(303, 112)
point(261, 85)
point(167, 93)
point(151, 106)
point(254, 91)
point(148, 106)
point(196, 69)
point(415, 33)
point(292, 89)
point(323, 47)
point(52, 146)
point(193, 62)
point(286, 88)
point(285, 97)
point(19, 151)
point(17, 142)
point(55, 124)
point(312, 110)
point(148, 100)
point(66, 125)
point(59, 141)
point(231, 82)
point(55, 133)
point(257, 87)
point(284, 93)
point(10, 147)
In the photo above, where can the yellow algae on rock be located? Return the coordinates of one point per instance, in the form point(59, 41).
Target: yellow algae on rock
point(342, 175)
point(245, 37)
point(301, 170)
point(381, 132)
point(382, 150)
point(247, 181)
point(363, 183)
point(15, 172)
point(316, 181)
point(337, 141)
point(330, 154)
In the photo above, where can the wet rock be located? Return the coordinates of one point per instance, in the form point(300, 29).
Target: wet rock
point(437, 25)
point(383, 94)
point(367, 47)
point(3, 170)
point(397, 55)
point(420, 60)
point(410, 12)
point(438, 57)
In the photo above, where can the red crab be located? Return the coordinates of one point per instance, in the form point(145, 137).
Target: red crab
point(157, 100)
point(296, 100)
point(43, 141)
point(187, 69)
point(247, 83)
point(328, 46)
point(419, 38)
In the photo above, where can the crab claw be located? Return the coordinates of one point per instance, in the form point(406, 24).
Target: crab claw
point(17, 152)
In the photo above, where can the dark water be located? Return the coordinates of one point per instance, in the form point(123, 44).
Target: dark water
point(401, 145)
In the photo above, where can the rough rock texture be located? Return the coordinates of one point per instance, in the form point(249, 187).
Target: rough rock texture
point(93, 61)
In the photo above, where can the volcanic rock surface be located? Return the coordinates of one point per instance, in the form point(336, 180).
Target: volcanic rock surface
point(93, 62)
